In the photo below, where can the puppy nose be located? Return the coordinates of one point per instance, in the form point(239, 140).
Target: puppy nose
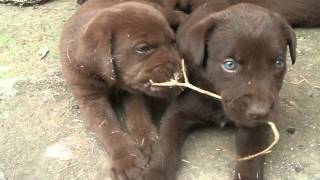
point(258, 111)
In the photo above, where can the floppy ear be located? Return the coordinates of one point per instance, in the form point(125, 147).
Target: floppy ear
point(192, 39)
point(96, 47)
point(173, 17)
point(290, 36)
point(292, 42)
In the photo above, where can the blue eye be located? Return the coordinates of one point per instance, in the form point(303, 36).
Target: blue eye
point(229, 65)
point(280, 63)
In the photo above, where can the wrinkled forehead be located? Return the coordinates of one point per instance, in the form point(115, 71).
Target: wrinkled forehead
point(270, 45)
point(136, 8)
point(141, 20)
point(138, 13)
point(241, 43)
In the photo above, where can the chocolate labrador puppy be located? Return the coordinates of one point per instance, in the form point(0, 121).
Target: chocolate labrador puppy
point(107, 47)
point(243, 51)
point(298, 13)
point(173, 17)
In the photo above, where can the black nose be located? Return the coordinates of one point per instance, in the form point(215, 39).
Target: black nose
point(258, 110)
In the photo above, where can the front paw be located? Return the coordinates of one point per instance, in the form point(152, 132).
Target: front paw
point(246, 171)
point(127, 164)
point(245, 176)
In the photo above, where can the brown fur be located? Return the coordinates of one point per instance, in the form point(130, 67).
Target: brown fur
point(107, 48)
point(298, 13)
point(257, 40)
point(174, 17)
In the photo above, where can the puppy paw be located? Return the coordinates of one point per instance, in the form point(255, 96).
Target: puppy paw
point(239, 176)
point(128, 164)
point(249, 170)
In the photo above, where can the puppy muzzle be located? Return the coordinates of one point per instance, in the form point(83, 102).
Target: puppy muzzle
point(250, 110)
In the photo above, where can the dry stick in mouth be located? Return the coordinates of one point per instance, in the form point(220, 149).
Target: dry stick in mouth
point(174, 82)
point(187, 84)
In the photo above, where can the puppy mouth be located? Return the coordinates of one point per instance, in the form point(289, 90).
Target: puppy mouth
point(160, 91)
point(153, 88)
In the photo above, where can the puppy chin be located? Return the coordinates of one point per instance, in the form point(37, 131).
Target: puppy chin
point(241, 120)
point(249, 124)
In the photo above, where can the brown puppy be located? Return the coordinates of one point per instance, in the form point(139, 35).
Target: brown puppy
point(173, 17)
point(243, 51)
point(298, 13)
point(108, 47)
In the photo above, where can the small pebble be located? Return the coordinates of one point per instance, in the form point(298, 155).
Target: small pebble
point(291, 130)
point(298, 169)
point(75, 106)
point(292, 103)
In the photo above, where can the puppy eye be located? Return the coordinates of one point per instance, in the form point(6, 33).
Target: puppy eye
point(280, 63)
point(143, 48)
point(229, 65)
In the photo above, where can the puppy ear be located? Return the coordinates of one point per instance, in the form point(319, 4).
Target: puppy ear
point(291, 41)
point(173, 17)
point(96, 47)
point(192, 39)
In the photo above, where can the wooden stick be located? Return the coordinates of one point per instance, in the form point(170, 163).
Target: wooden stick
point(268, 149)
point(186, 84)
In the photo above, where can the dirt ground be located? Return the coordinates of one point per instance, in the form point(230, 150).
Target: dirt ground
point(42, 136)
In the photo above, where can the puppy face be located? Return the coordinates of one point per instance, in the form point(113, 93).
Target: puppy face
point(134, 44)
point(248, 74)
point(244, 56)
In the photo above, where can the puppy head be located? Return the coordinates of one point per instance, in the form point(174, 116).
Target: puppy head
point(243, 50)
point(130, 44)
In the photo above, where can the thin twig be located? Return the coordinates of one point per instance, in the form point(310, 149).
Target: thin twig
point(268, 149)
point(186, 84)
point(102, 123)
point(310, 83)
point(79, 175)
point(306, 81)
point(68, 166)
point(186, 161)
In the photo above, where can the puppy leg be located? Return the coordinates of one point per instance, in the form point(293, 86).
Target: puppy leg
point(139, 123)
point(180, 116)
point(250, 141)
point(126, 158)
point(164, 161)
